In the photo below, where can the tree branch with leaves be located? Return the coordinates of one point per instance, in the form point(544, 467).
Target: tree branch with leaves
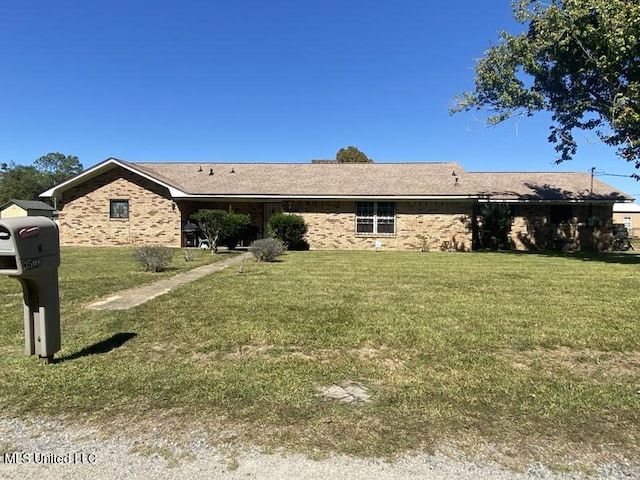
point(579, 60)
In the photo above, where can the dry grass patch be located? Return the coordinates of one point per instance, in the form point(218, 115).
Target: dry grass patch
point(578, 362)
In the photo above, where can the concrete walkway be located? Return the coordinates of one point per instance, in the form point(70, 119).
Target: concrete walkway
point(137, 296)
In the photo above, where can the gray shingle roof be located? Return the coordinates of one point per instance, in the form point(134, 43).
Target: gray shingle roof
point(29, 204)
point(313, 179)
point(549, 186)
point(375, 180)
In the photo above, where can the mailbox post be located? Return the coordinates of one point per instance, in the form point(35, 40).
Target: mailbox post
point(30, 253)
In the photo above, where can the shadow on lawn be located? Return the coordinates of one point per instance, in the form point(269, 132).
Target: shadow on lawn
point(105, 346)
point(606, 257)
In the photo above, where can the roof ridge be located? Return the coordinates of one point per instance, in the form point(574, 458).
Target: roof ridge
point(213, 162)
point(528, 172)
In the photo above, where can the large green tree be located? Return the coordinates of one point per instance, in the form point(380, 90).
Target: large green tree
point(22, 182)
point(57, 167)
point(579, 60)
point(352, 155)
point(26, 182)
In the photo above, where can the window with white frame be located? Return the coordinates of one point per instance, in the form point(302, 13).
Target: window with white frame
point(375, 218)
point(627, 222)
point(119, 209)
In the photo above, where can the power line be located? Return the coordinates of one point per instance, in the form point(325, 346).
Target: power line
point(593, 172)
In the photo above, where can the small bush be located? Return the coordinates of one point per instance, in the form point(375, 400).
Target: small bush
point(424, 243)
point(267, 249)
point(494, 226)
point(235, 227)
point(153, 258)
point(290, 229)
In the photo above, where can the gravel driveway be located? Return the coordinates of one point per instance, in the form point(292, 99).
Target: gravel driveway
point(48, 450)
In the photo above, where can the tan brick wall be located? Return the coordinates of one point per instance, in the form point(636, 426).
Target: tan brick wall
point(84, 216)
point(531, 228)
point(332, 225)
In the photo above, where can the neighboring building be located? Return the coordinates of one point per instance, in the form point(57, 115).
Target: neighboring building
point(346, 206)
point(629, 215)
point(26, 208)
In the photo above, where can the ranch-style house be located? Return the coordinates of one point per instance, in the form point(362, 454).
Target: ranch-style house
point(396, 206)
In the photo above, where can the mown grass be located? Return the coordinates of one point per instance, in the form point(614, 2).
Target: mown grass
point(528, 351)
point(92, 272)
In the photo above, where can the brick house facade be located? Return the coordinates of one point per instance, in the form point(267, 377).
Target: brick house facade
point(442, 224)
point(392, 206)
point(535, 227)
point(85, 217)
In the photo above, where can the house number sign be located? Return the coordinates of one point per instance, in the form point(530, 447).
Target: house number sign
point(31, 263)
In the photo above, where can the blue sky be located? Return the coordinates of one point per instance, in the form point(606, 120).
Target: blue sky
point(261, 81)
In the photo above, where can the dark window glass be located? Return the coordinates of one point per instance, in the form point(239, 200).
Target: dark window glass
point(364, 225)
point(386, 209)
point(386, 225)
point(560, 214)
point(377, 218)
point(365, 209)
point(119, 209)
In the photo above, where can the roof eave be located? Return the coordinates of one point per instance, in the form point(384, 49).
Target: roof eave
point(548, 201)
point(280, 197)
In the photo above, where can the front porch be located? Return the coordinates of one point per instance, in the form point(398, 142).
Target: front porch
point(259, 213)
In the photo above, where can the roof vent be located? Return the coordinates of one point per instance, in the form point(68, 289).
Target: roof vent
point(200, 169)
point(232, 170)
point(211, 171)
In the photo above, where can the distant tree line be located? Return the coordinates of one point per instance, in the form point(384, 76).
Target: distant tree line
point(26, 182)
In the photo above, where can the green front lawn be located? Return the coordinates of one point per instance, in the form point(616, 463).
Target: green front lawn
point(531, 352)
